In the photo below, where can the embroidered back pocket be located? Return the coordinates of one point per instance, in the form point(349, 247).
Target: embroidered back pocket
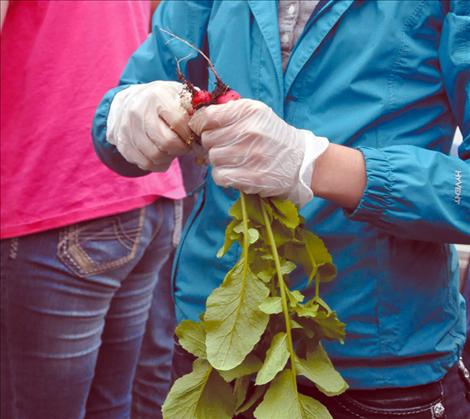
point(96, 246)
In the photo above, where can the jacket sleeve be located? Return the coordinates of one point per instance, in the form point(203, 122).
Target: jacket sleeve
point(421, 194)
point(154, 60)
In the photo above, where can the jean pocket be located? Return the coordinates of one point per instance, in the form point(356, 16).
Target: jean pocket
point(96, 246)
point(398, 405)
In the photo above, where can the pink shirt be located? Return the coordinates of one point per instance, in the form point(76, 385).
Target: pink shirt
point(58, 58)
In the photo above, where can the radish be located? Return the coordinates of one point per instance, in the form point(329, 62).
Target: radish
point(227, 97)
point(199, 98)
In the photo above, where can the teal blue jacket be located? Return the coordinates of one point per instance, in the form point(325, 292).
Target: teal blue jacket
point(390, 78)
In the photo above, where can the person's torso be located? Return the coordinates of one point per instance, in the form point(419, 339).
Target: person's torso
point(362, 74)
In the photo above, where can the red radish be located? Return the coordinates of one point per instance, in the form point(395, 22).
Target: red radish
point(201, 98)
point(227, 97)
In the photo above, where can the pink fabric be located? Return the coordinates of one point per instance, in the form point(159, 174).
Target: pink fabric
point(58, 58)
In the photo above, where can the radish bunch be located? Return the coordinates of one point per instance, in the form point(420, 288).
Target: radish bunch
point(193, 98)
point(257, 335)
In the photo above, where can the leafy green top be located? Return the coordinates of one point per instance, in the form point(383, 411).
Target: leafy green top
point(257, 335)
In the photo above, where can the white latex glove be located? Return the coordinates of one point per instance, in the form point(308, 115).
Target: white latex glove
point(255, 151)
point(148, 125)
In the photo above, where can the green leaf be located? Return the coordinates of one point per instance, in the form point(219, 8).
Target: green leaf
point(295, 297)
point(295, 325)
point(239, 227)
point(253, 235)
point(282, 234)
point(276, 359)
point(240, 390)
point(201, 394)
point(330, 326)
point(313, 408)
point(320, 257)
point(327, 272)
point(192, 337)
point(236, 210)
point(322, 303)
point(262, 266)
point(250, 365)
point(272, 305)
point(306, 310)
point(319, 369)
point(297, 252)
point(286, 212)
point(282, 401)
point(287, 267)
point(252, 399)
point(232, 310)
point(309, 327)
point(229, 238)
point(310, 252)
point(253, 209)
point(265, 276)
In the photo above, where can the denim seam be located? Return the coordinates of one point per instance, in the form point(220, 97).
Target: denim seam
point(75, 235)
point(125, 237)
point(71, 235)
point(443, 397)
point(62, 248)
point(4, 311)
point(14, 247)
point(160, 216)
point(350, 411)
point(403, 412)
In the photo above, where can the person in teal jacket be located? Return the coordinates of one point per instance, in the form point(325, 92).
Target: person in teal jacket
point(362, 115)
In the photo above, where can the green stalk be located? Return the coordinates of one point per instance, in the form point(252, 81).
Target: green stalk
point(282, 286)
point(317, 279)
point(317, 286)
point(246, 243)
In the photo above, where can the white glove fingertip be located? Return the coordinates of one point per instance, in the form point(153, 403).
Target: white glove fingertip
point(196, 123)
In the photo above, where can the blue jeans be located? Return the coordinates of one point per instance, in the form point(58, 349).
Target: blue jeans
point(153, 375)
point(74, 302)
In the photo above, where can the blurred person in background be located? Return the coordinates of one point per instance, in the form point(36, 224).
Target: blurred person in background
point(81, 246)
point(356, 102)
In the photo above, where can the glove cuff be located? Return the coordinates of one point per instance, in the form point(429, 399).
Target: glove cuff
point(314, 148)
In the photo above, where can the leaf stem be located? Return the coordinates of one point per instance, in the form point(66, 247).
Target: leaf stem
point(282, 286)
point(246, 243)
point(209, 62)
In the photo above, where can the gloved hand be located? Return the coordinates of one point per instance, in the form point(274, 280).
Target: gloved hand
point(255, 151)
point(148, 125)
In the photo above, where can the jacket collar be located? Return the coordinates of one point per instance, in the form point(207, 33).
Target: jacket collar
point(326, 16)
point(316, 30)
point(265, 13)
